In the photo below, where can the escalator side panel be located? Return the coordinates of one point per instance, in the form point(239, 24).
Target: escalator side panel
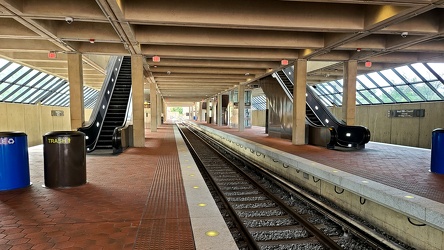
point(280, 122)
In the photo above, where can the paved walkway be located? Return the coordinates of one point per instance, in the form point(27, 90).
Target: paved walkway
point(132, 201)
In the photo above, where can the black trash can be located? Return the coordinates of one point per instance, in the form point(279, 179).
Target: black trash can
point(64, 159)
point(14, 161)
point(437, 161)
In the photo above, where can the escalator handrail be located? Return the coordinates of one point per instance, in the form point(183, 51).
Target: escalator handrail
point(100, 109)
point(290, 96)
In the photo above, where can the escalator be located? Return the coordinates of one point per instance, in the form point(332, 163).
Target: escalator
point(108, 120)
point(323, 127)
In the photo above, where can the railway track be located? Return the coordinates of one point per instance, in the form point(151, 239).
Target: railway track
point(266, 212)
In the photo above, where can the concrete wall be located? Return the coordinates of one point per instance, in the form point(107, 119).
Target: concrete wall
point(415, 132)
point(258, 118)
point(34, 120)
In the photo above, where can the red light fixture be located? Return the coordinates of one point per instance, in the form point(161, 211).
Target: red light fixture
point(358, 49)
point(368, 64)
point(92, 40)
point(284, 62)
point(156, 58)
point(52, 55)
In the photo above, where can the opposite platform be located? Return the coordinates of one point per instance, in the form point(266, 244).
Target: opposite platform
point(382, 181)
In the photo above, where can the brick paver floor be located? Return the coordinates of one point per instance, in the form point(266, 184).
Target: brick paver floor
point(132, 201)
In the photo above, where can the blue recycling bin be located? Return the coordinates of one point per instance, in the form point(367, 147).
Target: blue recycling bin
point(14, 161)
point(437, 161)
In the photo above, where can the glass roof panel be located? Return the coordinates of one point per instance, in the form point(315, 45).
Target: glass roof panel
point(378, 79)
point(392, 77)
point(3, 62)
point(23, 97)
point(438, 68)
point(439, 87)
point(370, 97)
point(28, 100)
point(9, 90)
point(359, 86)
point(427, 92)
point(29, 75)
point(394, 94)
point(19, 91)
point(17, 75)
point(361, 99)
point(3, 86)
point(366, 82)
point(36, 79)
point(408, 91)
point(381, 95)
point(424, 72)
point(408, 74)
point(8, 70)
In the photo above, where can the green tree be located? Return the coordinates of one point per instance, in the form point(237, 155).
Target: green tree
point(177, 109)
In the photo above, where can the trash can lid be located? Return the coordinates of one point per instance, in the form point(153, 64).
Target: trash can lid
point(65, 133)
point(438, 130)
point(11, 133)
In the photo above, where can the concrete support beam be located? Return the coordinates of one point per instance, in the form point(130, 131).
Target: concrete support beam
point(153, 107)
point(138, 99)
point(349, 96)
point(241, 106)
point(75, 78)
point(299, 91)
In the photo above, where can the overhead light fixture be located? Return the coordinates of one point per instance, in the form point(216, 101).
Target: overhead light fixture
point(247, 74)
point(92, 40)
point(284, 62)
point(358, 49)
point(156, 58)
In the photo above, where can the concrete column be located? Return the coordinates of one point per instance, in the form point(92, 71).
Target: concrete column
point(219, 110)
point(207, 117)
point(241, 107)
point(196, 110)
point(75, 78)
point(200, 112)
point(267, 111)
point(153, 107)
point(299, 98)
point(159, 109)
point(190, 112)
point(137, 79)
point(349, 96)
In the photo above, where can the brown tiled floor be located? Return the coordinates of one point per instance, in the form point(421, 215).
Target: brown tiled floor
point(404, 168)
point(131, 201)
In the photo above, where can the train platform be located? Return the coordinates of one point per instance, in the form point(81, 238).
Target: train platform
point(401, 167)
point(386, 184)
point(144, 198)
